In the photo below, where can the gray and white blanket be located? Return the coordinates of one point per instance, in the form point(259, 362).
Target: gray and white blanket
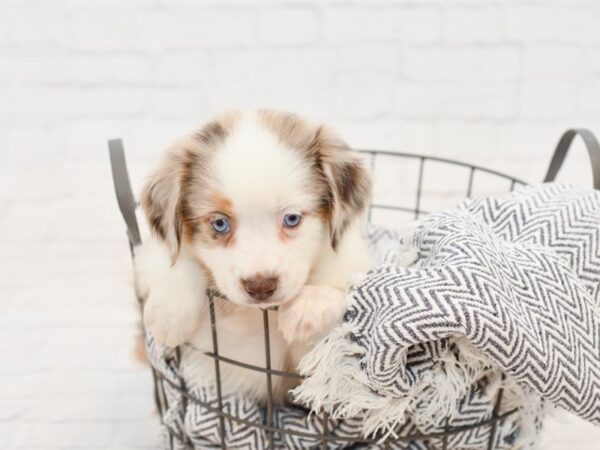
point(505, 292)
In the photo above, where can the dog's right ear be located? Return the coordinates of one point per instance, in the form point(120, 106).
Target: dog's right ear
point(162, 197)
point(161, 201)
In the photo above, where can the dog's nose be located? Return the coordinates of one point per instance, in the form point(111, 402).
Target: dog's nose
point(260, 287)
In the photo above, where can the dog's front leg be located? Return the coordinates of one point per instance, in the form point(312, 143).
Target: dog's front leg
point(312, 314)
point(174, 293)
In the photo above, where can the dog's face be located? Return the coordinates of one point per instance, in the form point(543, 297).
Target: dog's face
point(257, 198)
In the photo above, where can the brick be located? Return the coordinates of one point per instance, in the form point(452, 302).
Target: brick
point(136, 381)
point(130, 68)
point(178, 101)
point(554, 61)
point(18, 385)
point(475, 142)
point(588, 99)
point(23, 218)
point(592, 62)
point(59, 66)
point(178, 68)
point(527, 147)
point(8, 98)
point(38, 23)
point(142, 433)
point(464, 63)
point(146, 140)
point(541, 99)
point(22, 183)
point(302, 84)
point(95, 337)
point(4, 133)
point(367, 57)
point(5, 25)
point(360, 24)
point(557, 24)
point(6, 431)
point(11, 412)
point(34, 145)
point(191, 28)
point(529, 142)
point(291, 25)
point(54, 102)
point(407, 135)
point(63, 435)
point(91, 407)
point(217, 3)
point(364, 95)
point(474, 25)
point(104, 28)
point(460, 100)
point(85, 144)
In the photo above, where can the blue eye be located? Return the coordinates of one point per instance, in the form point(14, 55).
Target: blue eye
point(221, 225)
point(291, 220)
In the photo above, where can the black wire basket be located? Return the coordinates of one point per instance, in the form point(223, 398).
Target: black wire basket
point(413, 208)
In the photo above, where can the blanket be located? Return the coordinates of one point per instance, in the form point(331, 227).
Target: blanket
point(504, 293)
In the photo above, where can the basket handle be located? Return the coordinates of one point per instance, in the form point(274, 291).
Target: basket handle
point(563, 147)
point(122, 185)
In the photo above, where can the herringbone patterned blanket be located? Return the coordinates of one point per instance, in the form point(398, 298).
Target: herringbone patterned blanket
point(505, 292)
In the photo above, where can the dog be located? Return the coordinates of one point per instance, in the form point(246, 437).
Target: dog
point(266, 209)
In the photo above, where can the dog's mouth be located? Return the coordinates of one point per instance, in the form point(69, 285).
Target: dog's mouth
point(265, 305)
point(246, 300)
point(268, 303)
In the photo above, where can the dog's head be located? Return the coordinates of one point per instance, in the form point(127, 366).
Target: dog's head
point(257, 198)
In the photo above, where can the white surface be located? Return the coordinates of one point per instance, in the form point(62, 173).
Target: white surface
point(490, 82)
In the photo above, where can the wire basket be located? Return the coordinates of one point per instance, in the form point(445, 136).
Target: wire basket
point(410, 208)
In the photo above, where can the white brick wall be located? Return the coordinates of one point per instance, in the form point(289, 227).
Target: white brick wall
point(487, 81)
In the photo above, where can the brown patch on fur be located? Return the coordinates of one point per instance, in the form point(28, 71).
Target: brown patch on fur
point(211, 134)
point(139, 350)
point(292, 130)
point(215, 132)
point(184, 168)
point(198, 221)
point(205, 233)
point(283, 235)
point(223, 205)
point(348, 179)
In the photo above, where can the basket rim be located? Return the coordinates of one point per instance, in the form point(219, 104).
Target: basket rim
point(456, 162)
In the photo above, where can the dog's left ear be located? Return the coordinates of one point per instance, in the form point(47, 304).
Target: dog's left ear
point(348, 182)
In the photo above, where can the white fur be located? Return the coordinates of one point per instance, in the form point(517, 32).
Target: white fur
point(264, 181)
point(175, 299)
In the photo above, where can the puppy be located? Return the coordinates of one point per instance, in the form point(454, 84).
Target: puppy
point(265, 208)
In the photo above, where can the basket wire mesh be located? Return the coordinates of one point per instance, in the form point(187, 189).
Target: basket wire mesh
point(127, 205)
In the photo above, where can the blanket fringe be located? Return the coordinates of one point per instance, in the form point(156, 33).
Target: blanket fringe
point(338, 385)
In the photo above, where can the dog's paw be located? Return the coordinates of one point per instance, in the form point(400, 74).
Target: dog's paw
point(311, 315)
point(172, 320)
